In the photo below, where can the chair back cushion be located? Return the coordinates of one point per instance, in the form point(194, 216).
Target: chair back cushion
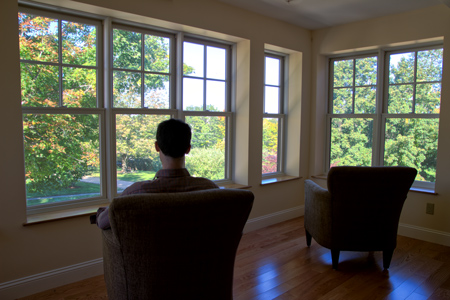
point(174, 245)
point(366, 205)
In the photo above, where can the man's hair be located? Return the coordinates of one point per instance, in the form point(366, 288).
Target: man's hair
point(173, 137)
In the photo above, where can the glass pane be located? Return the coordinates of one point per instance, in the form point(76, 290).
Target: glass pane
point(40, 85)
point(401, 68)
point(207, 156)
point(38, 38)
point(270, 145)
point(272, 100)
point(157, 54)
point(272, 71)
point(400, 99)
point(157, 91)
point(61, 151)
point(193, 59)
point(366, 71)
point(412, 143)
point(351, 142)
point(79, 44)
point(215, 95)
point(428, 98)
point(127, 49)
point(365, 100)
point(79, 87)
point(429, 65)
point(127, 89)
point(343, 73)
point(137, 159)
point(342, 101)
point(215, 63)
point(192, 94)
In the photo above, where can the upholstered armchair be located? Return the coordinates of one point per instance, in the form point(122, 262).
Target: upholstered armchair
point(174, 245)
point(360, 211)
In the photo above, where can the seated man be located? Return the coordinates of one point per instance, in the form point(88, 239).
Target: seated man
point(173, 142)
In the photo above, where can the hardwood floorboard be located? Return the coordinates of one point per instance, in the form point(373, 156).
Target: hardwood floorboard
point(275, 263)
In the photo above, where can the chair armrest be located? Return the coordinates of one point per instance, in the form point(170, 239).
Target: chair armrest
point(318, 221)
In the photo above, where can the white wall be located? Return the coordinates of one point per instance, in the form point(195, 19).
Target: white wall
point(30, 255)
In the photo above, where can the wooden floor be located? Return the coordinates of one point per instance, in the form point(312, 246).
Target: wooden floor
point(275, 263)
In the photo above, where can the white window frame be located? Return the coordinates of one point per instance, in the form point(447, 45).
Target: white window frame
point(282, 115)
point(107, 113)
point(381, 115)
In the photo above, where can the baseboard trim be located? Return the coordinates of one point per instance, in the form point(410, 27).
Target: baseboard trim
point(424, 234)
point(47, 280)
point(277, 217)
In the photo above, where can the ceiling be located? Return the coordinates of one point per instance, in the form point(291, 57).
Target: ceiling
point(316, 14)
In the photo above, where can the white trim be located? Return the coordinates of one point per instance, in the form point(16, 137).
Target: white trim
point(277, 217)
point(47, 280)
point(424, 234)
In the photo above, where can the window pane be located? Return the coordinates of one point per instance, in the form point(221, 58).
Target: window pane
point(38, 37)
point(343, 73)
point(342, 101)
point(400, 99)
point(60, 150)
point(351, 142)
point(429, 65)
point(192, 94)
point(401, 68)
point(137, 159)
point(366, 71)
point(40, 85)
point(365, 100)
point(157, 54)
point(272, 100)
point(272, 71)
point(79, 86)
point(428, 98)
point(127, 89)
point(193, 59)
point(79, 44)
point(215, 63)
point(157, 91)
point(207, 156)
point(215, 95)
point(270, 145)
point(412, 143)
point(127, 49)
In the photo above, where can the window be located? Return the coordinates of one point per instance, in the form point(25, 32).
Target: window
point(273, 119)
point(206, 107)
point(89, 122)
point(60, 83)
point(389, 119)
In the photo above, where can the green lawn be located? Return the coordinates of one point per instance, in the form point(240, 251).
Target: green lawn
point(83, 189)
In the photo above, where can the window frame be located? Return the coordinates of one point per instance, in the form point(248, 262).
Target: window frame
point(381, 114)
point(107, 112)
point(282, 112)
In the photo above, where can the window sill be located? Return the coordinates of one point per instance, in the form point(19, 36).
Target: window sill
point(412, 189)
point(278, 179)
point(61, 215)
point(233, 186)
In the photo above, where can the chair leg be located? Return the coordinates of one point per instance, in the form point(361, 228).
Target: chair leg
point(387, 257)
point(335, 258)
point(308, 238)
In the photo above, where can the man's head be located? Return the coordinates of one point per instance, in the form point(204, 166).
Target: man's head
point(174, 138)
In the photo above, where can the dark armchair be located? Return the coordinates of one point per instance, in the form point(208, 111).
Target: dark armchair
point(174, 245)
point(360, 211)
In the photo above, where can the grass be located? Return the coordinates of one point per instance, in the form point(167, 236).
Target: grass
point(83, 189)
